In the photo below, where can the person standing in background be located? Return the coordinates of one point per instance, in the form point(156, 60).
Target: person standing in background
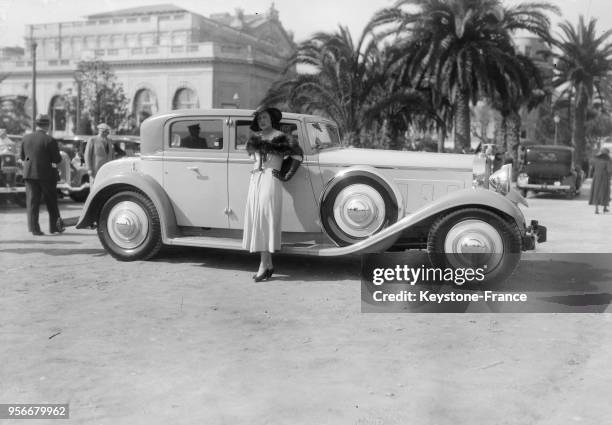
point(99, 151)
point(601, 170)
point(39, 152)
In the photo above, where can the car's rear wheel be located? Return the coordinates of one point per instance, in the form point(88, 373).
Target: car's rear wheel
point(129, 227)
point(478, 239)
point(357, 208)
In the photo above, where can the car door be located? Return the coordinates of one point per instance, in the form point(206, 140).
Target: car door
point(300, 210)
point(195, 171)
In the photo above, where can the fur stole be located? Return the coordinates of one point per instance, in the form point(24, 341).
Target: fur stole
point(279, 145)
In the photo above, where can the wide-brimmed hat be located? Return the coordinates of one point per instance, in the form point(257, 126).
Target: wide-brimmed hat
point(194, 126)
point(103, 127)
point(43, 120)
point(275, 116)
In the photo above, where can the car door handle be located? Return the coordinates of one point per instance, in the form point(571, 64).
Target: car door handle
point(197, 171)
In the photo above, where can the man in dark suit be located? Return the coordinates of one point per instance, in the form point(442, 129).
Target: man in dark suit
point(194, 141)
point(38, 152)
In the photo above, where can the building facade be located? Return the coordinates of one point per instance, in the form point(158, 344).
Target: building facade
point(164, 56)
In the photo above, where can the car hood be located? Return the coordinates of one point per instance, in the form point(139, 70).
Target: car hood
point(388, 158)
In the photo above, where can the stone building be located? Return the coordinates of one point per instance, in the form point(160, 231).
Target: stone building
point(165, 57)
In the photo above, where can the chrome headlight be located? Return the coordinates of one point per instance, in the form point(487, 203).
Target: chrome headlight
point(480, 171)
point(522, 179)
point(501, 180)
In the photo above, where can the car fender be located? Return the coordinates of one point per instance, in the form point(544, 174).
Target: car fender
point(123, 182)
point(365, 171)
point(464, 198)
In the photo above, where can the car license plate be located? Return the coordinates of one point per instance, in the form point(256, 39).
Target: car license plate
point(557, 183)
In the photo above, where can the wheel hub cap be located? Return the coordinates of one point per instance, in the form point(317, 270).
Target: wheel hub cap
point(359, 210)
point(128, 224)
point(474, 243)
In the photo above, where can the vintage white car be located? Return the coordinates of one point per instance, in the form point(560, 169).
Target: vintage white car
point(341, 201)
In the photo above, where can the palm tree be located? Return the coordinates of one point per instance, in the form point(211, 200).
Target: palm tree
point(584, 63)
point(348, 82)
point(465, 48)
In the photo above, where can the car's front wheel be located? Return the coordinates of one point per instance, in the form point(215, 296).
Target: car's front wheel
point(129, 227)
point(80, 196)
point(478, 239)
point(20, 199)
point(357, 208)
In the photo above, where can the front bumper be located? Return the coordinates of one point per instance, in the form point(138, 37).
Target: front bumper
point(535, 232)
point(545, 187)
point(66, 189)
point(12, 189)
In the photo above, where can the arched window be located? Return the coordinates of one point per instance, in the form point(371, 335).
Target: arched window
point(145, 104)
point(185, 99)
point(58, 111)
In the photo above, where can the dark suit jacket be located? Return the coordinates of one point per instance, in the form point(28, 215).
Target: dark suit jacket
point(38, 151)
point(194, 142)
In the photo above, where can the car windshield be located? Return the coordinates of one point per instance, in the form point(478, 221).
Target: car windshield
point(323, 135)
point(545, 156)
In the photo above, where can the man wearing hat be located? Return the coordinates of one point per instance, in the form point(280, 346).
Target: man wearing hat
point(39, 152)
point(194, 141)
point(99, 151)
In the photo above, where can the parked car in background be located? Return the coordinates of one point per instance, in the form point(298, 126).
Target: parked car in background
point(551, 169)
point(341, 200)
point(74, 180)
point(12, 186)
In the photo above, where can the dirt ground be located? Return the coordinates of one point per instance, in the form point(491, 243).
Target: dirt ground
point(189, 338)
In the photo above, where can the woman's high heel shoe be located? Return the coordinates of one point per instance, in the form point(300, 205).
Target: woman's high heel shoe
point(267, 274)
point(260, 277)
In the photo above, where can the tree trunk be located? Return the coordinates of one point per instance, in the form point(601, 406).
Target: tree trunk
point(504, 129)
point(462, 122)
point(441, 138)
point(580, 127)
point(515, 123)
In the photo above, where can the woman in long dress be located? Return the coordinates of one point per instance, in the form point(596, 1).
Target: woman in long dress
point(262, 217)
point(601, 171)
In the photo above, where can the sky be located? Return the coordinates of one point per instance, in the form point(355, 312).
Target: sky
point(303, 17)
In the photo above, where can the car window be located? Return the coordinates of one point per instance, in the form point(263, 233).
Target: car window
point(197, 134)
point(243, 132)
point(322, 135)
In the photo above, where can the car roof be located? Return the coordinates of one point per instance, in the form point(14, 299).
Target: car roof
point(551, 147)
point(221, 112)
point(114, 138)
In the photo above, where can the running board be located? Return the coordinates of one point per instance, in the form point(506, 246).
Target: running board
point(304, 248)
point(380, 242)
point(300, 248)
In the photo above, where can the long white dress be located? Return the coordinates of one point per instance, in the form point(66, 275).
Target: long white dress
point(262, 215)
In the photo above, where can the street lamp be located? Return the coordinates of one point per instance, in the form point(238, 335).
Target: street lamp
point(556, 119)
point(78, 77)
point(33, 46)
